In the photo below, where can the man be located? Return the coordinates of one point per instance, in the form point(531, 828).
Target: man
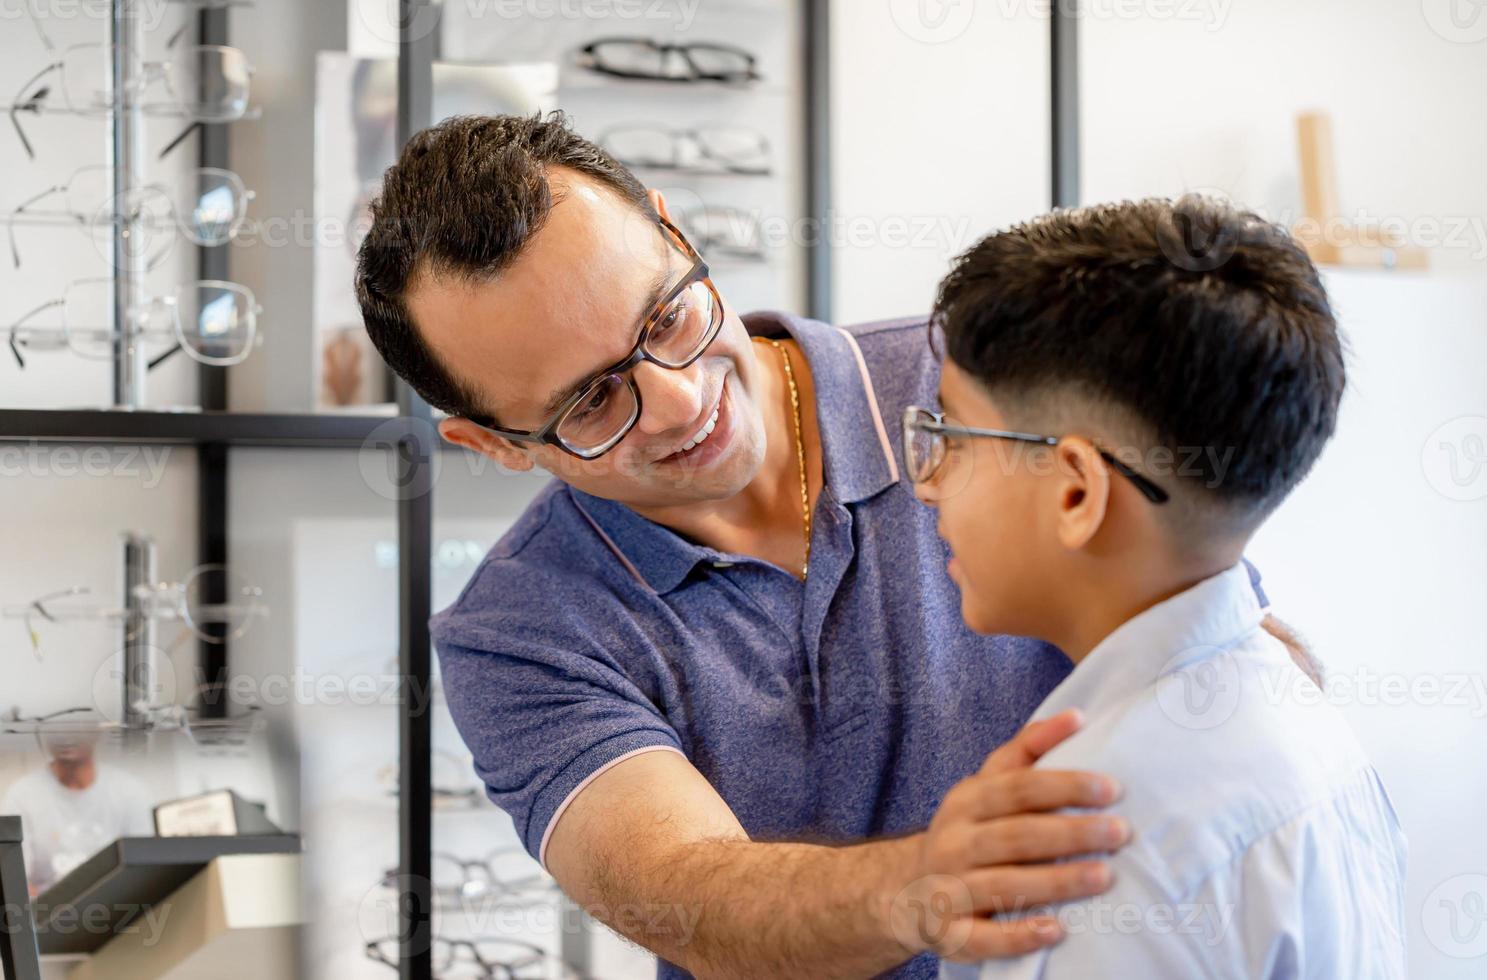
point(1266, 845)
point(716, 672)
point(73, 808)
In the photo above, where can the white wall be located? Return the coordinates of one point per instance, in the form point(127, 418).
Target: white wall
point(939, 134)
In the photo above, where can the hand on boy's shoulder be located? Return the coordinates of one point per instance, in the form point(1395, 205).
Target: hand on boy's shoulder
point(1301, 654)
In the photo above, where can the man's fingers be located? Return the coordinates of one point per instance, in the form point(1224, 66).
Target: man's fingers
point(1034, 790)
point(1038, 837)
point(1015, 889)
point(1035, 739)
point(975, 938)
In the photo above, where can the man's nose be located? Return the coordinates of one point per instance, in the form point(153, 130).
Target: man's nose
point(669, 399)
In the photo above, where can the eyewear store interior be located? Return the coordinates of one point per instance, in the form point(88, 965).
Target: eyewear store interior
point(225, 537)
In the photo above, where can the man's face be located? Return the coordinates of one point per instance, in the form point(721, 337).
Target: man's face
point(570, 305)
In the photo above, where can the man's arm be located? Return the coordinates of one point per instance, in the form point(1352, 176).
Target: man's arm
point(653, 851)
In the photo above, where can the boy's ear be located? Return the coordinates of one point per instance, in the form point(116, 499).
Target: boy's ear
point(1083, 480)
point(463, 432)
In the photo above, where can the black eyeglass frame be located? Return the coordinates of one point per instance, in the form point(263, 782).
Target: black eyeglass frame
point(547, 433)
point(588, 57)
point(924, 420)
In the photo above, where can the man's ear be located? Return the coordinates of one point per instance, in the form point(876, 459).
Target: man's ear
point(1083, 480)
point(658, 201)
point(463, 432)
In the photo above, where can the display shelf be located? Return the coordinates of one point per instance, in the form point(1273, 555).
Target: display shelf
point(194, 428)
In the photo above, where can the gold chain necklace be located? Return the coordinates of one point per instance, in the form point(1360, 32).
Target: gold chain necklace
point(805, 496)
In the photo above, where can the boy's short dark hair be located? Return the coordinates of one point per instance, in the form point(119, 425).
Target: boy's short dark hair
point(463, 200)
point(1202, 324)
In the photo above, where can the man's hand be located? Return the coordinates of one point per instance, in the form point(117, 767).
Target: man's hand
point(651, 849)
point(979, 861)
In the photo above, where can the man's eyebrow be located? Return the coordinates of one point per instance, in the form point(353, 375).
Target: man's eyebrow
point(652, 297)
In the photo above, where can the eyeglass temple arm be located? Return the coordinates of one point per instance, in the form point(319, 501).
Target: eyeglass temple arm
point(23, 104)
point(36, 23)
point(181, 138)
point(14, 327)
point(1148, 489)
point(15, 252)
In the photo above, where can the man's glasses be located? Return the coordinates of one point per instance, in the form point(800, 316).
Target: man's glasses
point(207, 205)
point(642, 58)
point(704, 150)
point(593, 420)
point(212, 321)
point(927, 446)
point(202, 83)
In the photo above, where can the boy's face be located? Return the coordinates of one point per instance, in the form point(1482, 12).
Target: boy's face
point(993, 511)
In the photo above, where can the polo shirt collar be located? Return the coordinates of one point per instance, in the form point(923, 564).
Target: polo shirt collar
point(858, 458)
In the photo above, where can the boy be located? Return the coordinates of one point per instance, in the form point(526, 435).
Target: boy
point(1118, 420)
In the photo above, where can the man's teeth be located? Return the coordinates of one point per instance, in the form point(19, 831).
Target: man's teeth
point(707, 430)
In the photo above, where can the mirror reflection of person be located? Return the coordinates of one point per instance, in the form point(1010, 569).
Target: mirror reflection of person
point(73, 807)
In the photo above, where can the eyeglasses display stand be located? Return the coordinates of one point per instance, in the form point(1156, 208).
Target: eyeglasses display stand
point(204, 604)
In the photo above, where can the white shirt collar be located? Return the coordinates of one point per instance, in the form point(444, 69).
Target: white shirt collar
point(1194, 625)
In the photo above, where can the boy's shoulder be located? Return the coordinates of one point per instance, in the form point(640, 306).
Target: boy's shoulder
point(1218, 755)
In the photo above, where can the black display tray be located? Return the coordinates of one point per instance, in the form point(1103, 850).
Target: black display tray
point(116, 887)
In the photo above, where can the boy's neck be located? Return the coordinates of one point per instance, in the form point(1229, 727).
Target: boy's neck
point(1106, 600)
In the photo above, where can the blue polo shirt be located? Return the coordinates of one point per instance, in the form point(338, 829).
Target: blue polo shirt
point(831, 710)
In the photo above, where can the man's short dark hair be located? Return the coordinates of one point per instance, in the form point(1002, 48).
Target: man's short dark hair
point(462, 201)
point(1201, 324)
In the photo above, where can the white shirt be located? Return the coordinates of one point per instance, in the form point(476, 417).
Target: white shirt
point(1263, 843)
point(64, 827)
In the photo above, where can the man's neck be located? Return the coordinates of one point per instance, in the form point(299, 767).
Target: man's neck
point(765, 518)
point(1106, 601)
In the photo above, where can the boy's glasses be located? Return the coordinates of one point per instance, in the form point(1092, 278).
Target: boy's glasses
point(604, 409)
point(927, 445)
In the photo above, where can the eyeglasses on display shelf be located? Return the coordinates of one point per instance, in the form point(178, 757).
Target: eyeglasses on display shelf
point(100, 8)
point(209, 603)
point(452, 788)
point(725, 231)
point(87, 723)
point(189, 602)
point(705, 150)
point(200, 83)
point(208, 205)
point(482, 959)
point(506, 877)
point(212, 321)
point(640, 58)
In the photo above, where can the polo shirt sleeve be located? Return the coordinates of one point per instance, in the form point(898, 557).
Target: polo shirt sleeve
point(544, 709)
